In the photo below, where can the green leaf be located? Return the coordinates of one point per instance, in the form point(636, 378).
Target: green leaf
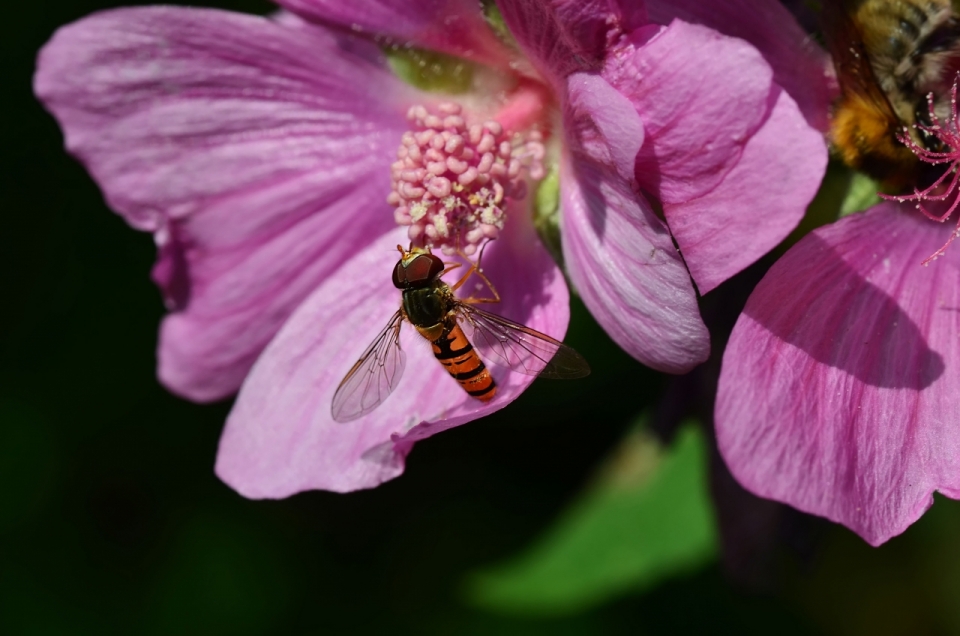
point(546, 211)
point(430, 71)
point(862, 194)
point(646, 517)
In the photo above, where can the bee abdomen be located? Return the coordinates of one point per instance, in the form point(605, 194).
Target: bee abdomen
point(458, 357)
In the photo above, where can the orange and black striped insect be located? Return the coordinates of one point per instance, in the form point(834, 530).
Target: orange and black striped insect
point(462, 335)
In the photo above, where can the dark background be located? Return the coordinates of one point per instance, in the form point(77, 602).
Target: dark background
point(112, 521)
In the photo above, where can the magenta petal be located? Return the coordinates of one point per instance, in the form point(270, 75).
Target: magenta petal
point(799, 65)
point(172, 107)
point(457, 27)
point(280, 438)
point(701, 95)
point(838, 393)
point(252, 149)
point(560, 36)
point(757, 204)
point(619, 254)
point(245, 283)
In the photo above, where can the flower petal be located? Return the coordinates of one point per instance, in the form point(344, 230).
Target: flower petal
point(838, 393)
point(457, 27)
point(171, 107)
point(560, 36)
point(758, 203)
point(280, 438)
point(249, 146)
point(701, 96)
point(618, 253)
point(243, 290)
point(800, 67)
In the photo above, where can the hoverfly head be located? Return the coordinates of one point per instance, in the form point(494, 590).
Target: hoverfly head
point(417, 267)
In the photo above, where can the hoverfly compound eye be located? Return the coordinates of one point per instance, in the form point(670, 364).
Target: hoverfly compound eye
point(400, 276)
point(436, 267)
point(421, 269)
point(415, 270)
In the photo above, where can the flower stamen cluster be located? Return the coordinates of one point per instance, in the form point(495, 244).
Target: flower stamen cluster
point(947, 132)
point(452, 179)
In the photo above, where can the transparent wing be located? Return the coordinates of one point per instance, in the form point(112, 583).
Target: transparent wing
point(373, 377)
point(845, 41)
point(519, 348)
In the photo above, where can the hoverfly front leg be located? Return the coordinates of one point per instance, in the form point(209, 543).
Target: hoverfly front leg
point(450, 267)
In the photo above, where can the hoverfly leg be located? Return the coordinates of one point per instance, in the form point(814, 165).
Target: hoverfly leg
point(476, 269)
point(450, 266)
point(480, 254)
point(473, 300)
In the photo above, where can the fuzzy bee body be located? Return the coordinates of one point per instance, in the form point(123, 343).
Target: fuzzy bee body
point(889, 55)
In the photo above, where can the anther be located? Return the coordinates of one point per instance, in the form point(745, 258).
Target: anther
point(453, 179)
point(944, 191)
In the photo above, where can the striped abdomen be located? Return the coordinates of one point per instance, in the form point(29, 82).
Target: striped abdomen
point(457, 356)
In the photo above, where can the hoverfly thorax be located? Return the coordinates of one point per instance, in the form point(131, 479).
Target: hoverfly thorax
point(426, 308)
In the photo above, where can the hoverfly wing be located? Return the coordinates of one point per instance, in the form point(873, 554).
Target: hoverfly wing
point(518, 347)
point(374, 376)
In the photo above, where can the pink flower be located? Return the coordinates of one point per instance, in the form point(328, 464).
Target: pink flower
point(259, 152)
point(839, 388)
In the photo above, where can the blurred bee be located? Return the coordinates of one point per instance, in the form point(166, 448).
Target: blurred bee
point(889, 55)
point(449, 324)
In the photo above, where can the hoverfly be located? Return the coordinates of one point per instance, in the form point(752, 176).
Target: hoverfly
point(457, 330)
point(889, 55)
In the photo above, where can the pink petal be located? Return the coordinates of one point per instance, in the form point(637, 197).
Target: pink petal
point(701, 96)
point(800, 67)
point(280, 438)
point(757, 204)
point(560, 36)
point(457, 27)
point(619, 254)
point(228, 134)
point(170, 107)
point(838, 393)
point(241, 294)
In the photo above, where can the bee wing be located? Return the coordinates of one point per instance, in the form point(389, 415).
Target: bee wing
point(518, 347)
point(845, 42)
point(373, 377)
